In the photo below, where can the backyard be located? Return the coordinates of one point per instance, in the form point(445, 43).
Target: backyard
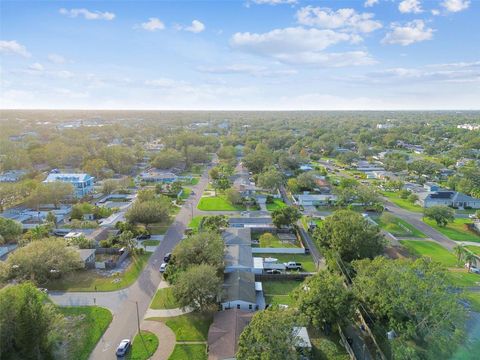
point(268, 240)
point(278, 292)
point(90, 280)
point(457, 230)
point(306, 260)
point(86, 326)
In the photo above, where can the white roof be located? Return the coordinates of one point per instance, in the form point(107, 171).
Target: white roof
point(67, 177)
point(258, 263)
point(318, 197)
point(258, 286)
point(303, 340)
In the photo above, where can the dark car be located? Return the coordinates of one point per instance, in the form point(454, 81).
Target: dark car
point(123, 348)
point(167, 257)
point(273, 271)
point(144, 237)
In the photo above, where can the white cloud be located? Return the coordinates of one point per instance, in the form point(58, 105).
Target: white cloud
point(13, 47)
point(410, 6)
point(412, 32)
point(274, 2)
point(293, 39)
point(455, 5)
point(36, 67)
point(56, 59)
point(196, 27)
point(347, 19)
point(301, 46)
point(370, 3)
point(153, 24)
point(435, 12)
point(254, 70)
point(87, 14)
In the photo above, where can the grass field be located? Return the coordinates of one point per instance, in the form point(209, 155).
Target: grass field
point(457, 230)
point(186, 193)
point(400, 228)
point(189, 327)
point(306, 260)
point(430, 249)
point(474, 249)
point(150, 242)
point(278, 292)
point(462, 278)
point(164, 299)
point(327, 347)
point(143, 350)
point(403, 203)
point(195, 222)
point(277, 204)
point(189, 351)
point(88, 280)
point(86, 326)
point(474, 300)
point(218, 203)
point(274, 242)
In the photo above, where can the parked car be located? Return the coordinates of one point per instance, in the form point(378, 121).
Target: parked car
point(474, 269)
point(273, 271)
point(167, 257)
point(144, 237)
point(292, 265)
point(307, 251)
point(163, 267)
point(123, 347)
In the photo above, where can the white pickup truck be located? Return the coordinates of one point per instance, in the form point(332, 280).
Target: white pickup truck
point(292, 265)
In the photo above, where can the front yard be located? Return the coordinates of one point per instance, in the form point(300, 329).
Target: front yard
point(164, 299)
point(91, 280)
point(403, 203)
point(189, 327)
point(308, 264)
point(143, 346)
point(218, 203)
point(86, 325)
point(189, 351)
point(400, 228)
point(277, 204)
point(431, 249)
point(457, 230)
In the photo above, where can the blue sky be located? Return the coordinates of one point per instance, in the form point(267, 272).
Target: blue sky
point(252, 54)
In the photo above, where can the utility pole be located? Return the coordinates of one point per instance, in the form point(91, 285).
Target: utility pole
point(138, 325)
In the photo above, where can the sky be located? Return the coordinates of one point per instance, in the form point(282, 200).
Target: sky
point(240, 55)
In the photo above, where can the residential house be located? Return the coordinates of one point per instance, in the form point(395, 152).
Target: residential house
point(157, 176)
point(82, 183)
point(87, 256)
point(238, 258)
point(224, 333)
point(242, 292)
point(431, 186)
point(303, 343)
point(315, 199)
point(366, 166)
point(12, 175)
point(237, 236)
point(451, 198)
point(259, 223)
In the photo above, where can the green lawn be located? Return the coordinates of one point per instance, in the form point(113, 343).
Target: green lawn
point(150, 242)
point(474, 249)
point(86, 325)
point(277, 204)
point(275, 242)
point(430, 249)
point(462, 278)
point(218, 203)
point(195, 222)
point(326, 347)
point(164, 299)
point(189, 327)
point(278, 292)
point(474, 300)
point(307, 261)
point(88, 280)
point(400, 228)
point(189, 352)
point(403, 203)
point(143, 350)
point(186, 193)
point(457, 230)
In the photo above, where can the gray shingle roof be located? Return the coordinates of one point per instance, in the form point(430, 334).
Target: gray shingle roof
point(239, 285)
point(238, 255)
point(237, 236)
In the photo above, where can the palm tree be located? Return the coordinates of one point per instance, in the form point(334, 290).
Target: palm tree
point(459, 251)
point(470, 258)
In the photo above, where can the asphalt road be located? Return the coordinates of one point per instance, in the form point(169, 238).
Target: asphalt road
point(415, 219)
point(124, 323)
